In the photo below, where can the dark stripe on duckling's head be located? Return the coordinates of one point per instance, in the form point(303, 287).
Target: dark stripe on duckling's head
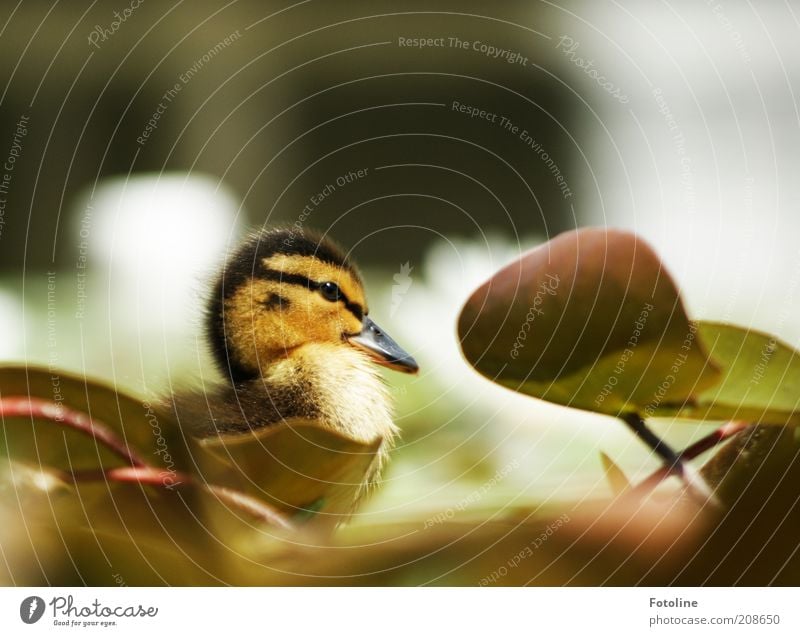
point(248, 262)
point(276, 301)
point(268, 243)
point(314, 285)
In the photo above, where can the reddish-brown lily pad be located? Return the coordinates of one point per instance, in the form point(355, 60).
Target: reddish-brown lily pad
point(591, 320)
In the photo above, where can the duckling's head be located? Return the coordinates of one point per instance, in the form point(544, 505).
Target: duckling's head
point(283, 289)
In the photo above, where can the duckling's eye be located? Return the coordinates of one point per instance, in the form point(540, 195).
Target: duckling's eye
point(330, 291)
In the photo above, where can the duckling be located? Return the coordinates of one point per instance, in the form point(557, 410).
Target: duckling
point(289, 328)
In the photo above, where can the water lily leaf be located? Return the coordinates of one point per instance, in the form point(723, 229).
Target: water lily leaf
point(591, 320)
point(40, 441)
point(616, 478)
point(157, 526)
point(760, 381)
point(155, 535)
point(612, 543)
point(298, 467)
point(301, 466)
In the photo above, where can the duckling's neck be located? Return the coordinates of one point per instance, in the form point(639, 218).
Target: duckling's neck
point(334, 384)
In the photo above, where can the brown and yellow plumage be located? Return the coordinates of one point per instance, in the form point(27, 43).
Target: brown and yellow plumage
point(289, 329)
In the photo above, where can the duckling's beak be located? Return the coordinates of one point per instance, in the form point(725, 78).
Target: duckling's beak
point(381, 348)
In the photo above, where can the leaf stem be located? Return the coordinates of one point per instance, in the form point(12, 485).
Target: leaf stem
point(152, 476)
point(723, 433)
point(673, 461)
point(139, 471)
point(19, 406)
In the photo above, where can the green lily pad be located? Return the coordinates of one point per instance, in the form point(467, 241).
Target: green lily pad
point(149, 533)
point(591, 320)
point(298, 467)
point(39, 441)
point(760, 378)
